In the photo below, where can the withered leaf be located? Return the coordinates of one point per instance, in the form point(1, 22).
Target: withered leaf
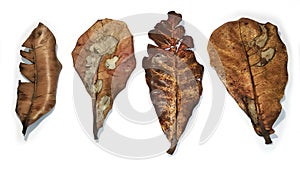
point(38, 96)
point(173, 75)
point(251, 60)
point(104, 59)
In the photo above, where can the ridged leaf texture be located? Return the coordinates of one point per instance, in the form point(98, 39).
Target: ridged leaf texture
point(173, 75)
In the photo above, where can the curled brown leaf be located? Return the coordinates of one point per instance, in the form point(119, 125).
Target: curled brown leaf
point(173, 75)
point(38, 96)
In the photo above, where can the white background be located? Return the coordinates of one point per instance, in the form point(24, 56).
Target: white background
point(59, 141)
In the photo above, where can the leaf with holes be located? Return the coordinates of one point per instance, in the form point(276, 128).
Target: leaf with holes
point(104, 59)
point(37, 97)
point(173, 75)
point(251, 60)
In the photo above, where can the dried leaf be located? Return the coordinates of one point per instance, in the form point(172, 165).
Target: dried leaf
point(173, 75)
point(251, 61)
point(104, 59)
point(37, 97)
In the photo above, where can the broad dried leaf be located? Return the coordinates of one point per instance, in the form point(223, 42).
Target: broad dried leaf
point(37, 97)
point(104, 59)
point(173, 75)
point(251, 61)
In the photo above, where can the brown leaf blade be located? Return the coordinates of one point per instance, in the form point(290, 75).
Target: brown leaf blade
point(37, 97)
point(173, 75)
point(104, 59)
point(251, 60)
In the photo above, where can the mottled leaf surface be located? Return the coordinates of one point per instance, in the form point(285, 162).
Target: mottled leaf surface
point(251, 60)
point(104, 59)
point(173, 75)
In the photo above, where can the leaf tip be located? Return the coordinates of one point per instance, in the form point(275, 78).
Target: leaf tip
point(267, 139)
point(24, 130)
point(173, 13)
point(174, 18)
point(172, 150)
point(41, 24)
